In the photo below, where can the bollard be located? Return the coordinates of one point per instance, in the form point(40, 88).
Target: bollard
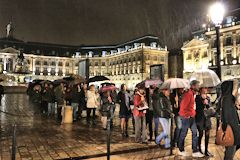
point(171, 136)
point(108, 137)
point(14, 143)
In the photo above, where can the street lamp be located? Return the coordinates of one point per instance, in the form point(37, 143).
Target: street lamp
point(216, 13)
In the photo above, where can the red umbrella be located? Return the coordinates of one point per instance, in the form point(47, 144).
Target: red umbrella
point(108, 88)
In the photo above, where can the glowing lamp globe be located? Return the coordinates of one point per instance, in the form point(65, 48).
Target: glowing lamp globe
point(216, 13)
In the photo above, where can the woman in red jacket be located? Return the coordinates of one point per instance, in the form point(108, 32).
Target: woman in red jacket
point(139, 112)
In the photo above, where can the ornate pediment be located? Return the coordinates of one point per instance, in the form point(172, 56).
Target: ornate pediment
point(9, 50)
point(195, 43)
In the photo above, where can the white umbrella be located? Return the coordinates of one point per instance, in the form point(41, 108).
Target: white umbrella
point(174, 83)
point(206, 77)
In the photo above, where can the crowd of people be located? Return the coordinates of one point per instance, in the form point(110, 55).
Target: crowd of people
point(148, 108)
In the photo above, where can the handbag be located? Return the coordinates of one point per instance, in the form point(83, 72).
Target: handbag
point(224, 138)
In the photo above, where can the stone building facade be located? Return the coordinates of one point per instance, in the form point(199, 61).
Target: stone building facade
point(128, 63)
point(201, 52)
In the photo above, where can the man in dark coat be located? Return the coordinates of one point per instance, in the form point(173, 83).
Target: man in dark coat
point(229, 114)
point(59, 96)
point(75, 99)
point(50, 100)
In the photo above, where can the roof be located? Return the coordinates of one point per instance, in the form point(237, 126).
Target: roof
point(194, 43)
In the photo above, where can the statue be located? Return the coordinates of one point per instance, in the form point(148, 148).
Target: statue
point(21, 56)
point(21, 65)
point(9, 29)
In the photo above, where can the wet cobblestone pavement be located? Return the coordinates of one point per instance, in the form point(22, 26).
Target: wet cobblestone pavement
point(41, 138)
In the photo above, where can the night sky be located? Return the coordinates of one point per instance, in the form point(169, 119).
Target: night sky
point(97, 22)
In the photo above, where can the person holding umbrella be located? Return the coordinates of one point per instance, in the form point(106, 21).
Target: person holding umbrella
point(106, 105)
point(92, 104)
point(188, 113)
point(203, 119)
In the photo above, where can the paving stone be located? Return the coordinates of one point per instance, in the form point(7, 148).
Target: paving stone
point(39, 137)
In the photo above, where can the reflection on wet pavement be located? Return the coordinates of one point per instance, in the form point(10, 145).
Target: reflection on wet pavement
point(39, 137)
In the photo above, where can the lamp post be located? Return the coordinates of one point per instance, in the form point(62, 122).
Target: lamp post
point(216, 13)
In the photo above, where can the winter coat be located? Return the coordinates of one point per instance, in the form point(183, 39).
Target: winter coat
point(105, 106)
point(203, 121)
point(165, 107)
point(156, 104)
point(83, 99)
point(187, 105)
point(50, 95)
point(92, 100)
point(229, 112)
point(137, 104)
point(59, 96)
point(36, 97)
point(124, 109)
point(75, 95)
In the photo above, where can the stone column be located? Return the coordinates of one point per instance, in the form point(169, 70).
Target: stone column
point(33, 66)
point(234, 46)
point(4, 64)
point(221, 48)
point(56, 68)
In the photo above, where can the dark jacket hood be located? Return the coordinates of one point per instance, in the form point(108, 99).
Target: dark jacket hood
point(227, 87)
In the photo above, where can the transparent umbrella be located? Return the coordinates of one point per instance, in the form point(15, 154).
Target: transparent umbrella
point(206, 77)
point(174, 83)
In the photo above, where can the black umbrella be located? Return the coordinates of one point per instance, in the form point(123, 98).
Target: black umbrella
point(37, 80)
point(59, 81)
point(98, 78)
point(69, 78)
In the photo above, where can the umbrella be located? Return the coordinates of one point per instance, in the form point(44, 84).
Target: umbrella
point(148, 83)
point(77, 81)
point(98, 78)
point(46, 81)
point(58, 81)
point(206, 77)
point(174, 83)
point(69, 78)
point(107, 84)
point(108, 88)
point(37, 80)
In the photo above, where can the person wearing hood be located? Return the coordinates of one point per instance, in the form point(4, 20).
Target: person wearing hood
point(229, 114)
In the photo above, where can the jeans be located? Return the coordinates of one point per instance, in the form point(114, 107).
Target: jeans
point(229, 152)
point(165, 134)
point(75, 109)
point(177, 131)
point(140, 129)
point(51, 108)
point(186, 124)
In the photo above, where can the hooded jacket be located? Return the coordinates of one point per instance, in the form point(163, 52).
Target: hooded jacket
point(229, 114)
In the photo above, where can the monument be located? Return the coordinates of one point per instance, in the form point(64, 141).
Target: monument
point(21, 64)
point(9, 30)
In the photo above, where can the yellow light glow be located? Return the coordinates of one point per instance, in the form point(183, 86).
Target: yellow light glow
point(216, 13)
